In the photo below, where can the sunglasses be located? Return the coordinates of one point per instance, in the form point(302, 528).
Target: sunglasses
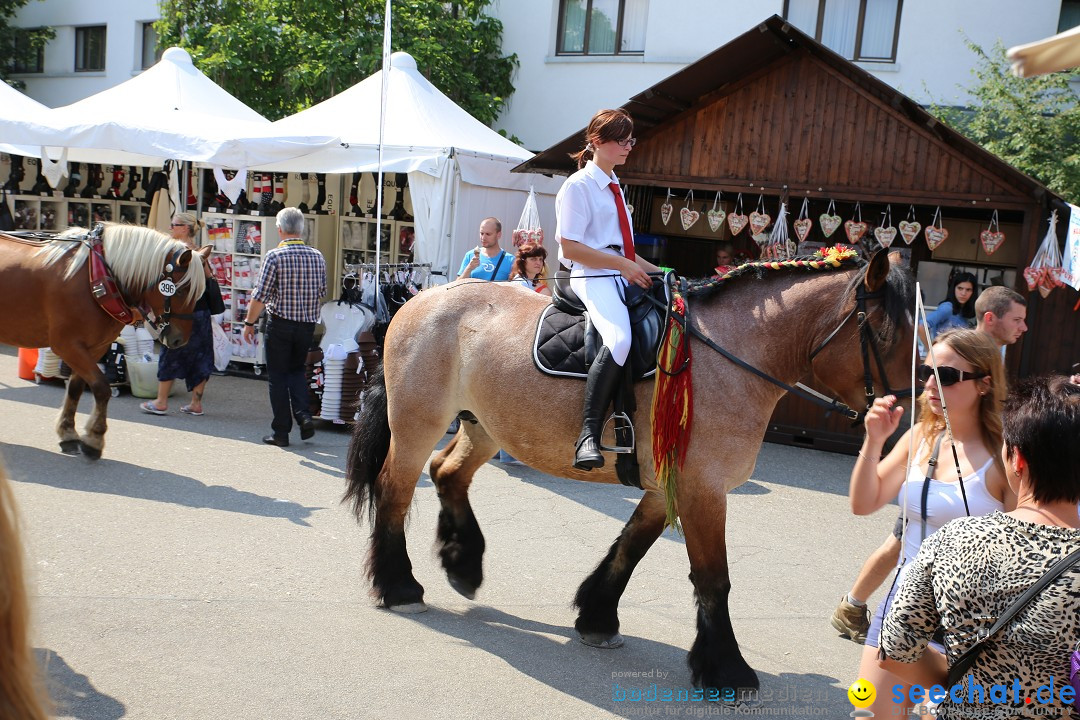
point(179, 225)
point(948, 375)
point(627, 143)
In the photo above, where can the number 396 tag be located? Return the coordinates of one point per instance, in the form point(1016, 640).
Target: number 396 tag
point(167, 288)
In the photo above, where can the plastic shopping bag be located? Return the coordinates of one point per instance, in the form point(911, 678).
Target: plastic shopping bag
point(528, 228)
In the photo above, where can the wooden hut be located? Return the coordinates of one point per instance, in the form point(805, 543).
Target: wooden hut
point(775, 116)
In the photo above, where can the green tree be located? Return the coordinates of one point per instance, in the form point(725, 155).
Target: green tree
point(282, 56)
point(19, 47)
point(1031, 123)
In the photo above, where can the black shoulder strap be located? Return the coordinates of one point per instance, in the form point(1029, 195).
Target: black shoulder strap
point(956, 672)
point(502, 256)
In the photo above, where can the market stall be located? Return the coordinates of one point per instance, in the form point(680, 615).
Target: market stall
point(773, 117)
point(458, 169)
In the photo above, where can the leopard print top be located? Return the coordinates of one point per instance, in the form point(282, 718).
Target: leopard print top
point(964, 577)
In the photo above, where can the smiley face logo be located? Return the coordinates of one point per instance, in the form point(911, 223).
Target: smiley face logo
point(862, 693)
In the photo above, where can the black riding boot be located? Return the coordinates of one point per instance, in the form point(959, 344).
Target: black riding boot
point(600, 386)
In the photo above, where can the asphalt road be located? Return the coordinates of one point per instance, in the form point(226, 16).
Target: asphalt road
point(194, 572)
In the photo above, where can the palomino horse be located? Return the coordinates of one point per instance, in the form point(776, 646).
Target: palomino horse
point(45, 291)
point(449, 346)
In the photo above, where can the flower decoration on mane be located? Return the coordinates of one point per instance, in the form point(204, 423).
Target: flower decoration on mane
point(836, 254)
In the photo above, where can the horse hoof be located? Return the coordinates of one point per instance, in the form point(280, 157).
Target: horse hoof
point(463, 588)
point(91, 453)
point(599, 640)
point(408, 608)
point(69, 447)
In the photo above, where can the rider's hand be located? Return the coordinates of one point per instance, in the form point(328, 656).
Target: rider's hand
point(634, 274)
point(883, 418)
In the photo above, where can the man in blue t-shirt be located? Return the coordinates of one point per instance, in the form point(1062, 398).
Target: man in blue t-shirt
point(487, 261)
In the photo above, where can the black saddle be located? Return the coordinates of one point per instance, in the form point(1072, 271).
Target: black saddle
point(567, 342)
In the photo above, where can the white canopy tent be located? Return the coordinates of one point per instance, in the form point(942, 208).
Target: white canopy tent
point(459, 169)
point(170, 111)
point(14, 104)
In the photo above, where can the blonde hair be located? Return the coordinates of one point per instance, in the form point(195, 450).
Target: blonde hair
point(976, 347)
point(21, 692)
point(192, 221)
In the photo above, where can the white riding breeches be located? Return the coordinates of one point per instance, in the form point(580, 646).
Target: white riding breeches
point(602, 291)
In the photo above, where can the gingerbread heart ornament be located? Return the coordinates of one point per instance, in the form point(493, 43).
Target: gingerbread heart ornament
point(991, 240)
point(935, 236)
point(802, 228)
point(715, 218)
point(885, 235)
point(829, 223)
point(665, 212)
point(1032, 275)
point(854, 231)
point(909, 231)
point(758, 222)
point(688, 217)
point(736, 222)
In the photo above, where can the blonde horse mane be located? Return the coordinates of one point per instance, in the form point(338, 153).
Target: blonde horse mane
point(136, 255)
point(21, 693)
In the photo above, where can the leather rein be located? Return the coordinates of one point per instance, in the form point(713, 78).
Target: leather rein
point(115, 301)
point(867, 343)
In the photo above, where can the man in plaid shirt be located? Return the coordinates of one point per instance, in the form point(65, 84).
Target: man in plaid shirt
point(291, 284)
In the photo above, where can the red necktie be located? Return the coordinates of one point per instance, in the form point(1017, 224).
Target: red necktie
point(624, 223)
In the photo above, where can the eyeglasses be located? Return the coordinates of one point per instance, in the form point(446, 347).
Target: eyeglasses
point(949, 375)
point(627, 143)
point(179, 225)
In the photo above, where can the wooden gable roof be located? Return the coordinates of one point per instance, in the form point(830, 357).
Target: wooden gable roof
point(774, 109)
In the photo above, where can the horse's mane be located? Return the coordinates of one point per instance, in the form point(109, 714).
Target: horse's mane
point(898, 299)
point(898, 302)
point(706, 287)
point(135, 254)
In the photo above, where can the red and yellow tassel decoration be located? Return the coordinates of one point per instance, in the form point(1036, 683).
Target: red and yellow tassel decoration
point(672, 409)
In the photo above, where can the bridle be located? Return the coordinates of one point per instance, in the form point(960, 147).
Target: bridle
point(166, 284)
point(867, 344)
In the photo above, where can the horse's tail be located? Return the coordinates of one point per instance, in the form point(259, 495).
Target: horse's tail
point(368, 448)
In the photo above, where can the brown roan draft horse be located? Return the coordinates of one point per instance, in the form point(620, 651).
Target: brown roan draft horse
point(449, 345)
point(45, 293)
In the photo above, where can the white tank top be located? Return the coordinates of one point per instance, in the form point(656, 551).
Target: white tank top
point(944, 501)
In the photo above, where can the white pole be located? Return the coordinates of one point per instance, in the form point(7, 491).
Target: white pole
point(382, 124)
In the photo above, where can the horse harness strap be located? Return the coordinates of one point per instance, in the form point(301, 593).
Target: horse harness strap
point(112, 299)
point(867, 343)
point(103, 285)
point(805, 393)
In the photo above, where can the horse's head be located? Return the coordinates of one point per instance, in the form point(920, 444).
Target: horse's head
point(173, 296)
point(865, 349)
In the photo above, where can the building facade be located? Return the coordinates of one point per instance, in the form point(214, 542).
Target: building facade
point(577, 56)
point(97, 45)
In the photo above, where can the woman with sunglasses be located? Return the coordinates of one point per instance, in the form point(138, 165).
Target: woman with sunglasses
point(990, 561)
point(592, 226)
point(971, 389)
point(194, 361)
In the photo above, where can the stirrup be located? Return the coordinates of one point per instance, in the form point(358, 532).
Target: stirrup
point(620, 421)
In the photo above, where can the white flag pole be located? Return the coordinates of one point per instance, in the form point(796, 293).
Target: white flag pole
point(382, 124)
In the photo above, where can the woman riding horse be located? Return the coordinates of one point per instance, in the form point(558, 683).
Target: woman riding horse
point(842, 328)
point(595, 238)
